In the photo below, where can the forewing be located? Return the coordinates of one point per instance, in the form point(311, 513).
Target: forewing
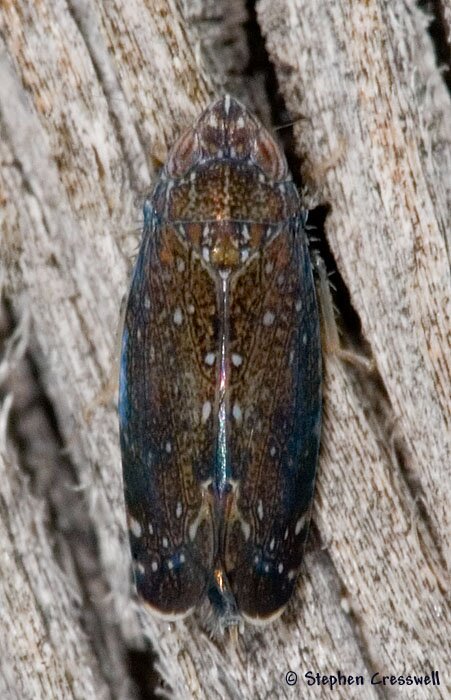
point(275, 400)
point(166, 387)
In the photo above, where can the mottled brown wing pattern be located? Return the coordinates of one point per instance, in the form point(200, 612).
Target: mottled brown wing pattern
point(219, 399)
point(275, 412)
point(167, 395)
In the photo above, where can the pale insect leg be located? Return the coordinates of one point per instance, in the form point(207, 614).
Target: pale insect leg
point(329, 330)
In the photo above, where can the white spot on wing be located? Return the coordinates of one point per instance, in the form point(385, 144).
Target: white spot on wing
point(268, 318)
point(246, 529)
point(209, 358)
point(236, 359)
point(165, 542)
point(168, 447)
point(280, 568)
point(178, 316)
point(206, 410)
point(300, 524)
point(154, 566)
point(178, 510)
point(180, 265)
point(260, 509)
point(146, 302)
point(236, 411)
point(135, 528)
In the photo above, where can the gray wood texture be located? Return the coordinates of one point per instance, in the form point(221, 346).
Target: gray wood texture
point(91, 96)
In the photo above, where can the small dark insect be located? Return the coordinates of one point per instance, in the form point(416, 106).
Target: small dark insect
point(220, 381)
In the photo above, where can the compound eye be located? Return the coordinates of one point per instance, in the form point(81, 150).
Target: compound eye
point(269, 157)
point(183, 155)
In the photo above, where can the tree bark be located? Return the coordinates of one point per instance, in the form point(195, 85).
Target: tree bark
point(91, 96)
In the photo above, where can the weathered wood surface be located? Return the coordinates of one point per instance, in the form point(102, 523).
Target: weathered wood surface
point(90, 94)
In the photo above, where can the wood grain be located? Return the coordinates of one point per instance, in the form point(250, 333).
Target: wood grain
point(91, 96)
